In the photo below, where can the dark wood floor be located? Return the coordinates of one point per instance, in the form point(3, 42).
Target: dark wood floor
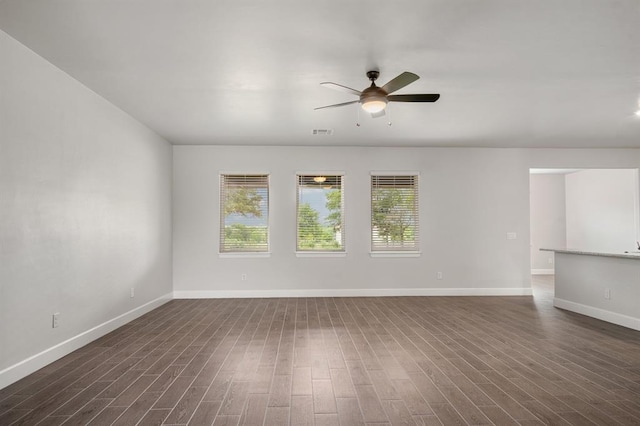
point(347, 361)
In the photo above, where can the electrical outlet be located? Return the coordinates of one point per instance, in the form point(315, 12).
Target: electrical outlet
point(54, 320)
point(511, 235)
point(551, 260)
point(243, 277)
point(439, 275)
point(133, 292)
point(607, 293)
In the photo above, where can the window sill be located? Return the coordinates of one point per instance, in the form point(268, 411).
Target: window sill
point(321, 254)
point(241, 255)
point(395, 254)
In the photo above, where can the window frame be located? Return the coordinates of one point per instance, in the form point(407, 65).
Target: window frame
point(221, 237)
point(342, 252)
point(390, 251)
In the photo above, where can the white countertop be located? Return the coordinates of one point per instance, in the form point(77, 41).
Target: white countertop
point(631, 254)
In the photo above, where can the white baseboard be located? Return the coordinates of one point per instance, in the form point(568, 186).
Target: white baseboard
point(543, 271)
point(601, 314)
point(356, 292)
point(22, 369)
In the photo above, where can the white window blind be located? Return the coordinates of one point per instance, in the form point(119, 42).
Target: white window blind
point(394, 213)
point(244, 213)
point(320, 213)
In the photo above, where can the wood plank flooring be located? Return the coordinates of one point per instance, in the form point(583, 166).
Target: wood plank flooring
point(344, 361)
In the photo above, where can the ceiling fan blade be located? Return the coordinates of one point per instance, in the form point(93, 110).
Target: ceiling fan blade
point(400, 81)
point(414, 98)
point(338, 105)
point(378, 114)
point(341, 88)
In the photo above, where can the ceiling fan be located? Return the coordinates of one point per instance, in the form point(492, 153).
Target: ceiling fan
point(374, 99)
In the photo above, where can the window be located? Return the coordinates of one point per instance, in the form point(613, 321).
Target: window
point(394, 213)
point(320, 213)
point(244, 213)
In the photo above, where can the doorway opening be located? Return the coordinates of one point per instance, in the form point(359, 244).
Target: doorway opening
point(594, 210)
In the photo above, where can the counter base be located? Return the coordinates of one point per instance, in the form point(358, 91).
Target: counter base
point(601, 314)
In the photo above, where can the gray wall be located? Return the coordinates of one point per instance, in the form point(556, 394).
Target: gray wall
point(548, 219)
point(85, 212)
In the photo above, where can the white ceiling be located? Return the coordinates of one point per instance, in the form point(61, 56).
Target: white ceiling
point(512, 73)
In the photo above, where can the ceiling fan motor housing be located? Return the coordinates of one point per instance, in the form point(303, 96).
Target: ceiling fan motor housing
point(373, 75)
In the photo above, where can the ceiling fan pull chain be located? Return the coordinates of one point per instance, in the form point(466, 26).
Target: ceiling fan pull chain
point(389, 112)
point(357, 117)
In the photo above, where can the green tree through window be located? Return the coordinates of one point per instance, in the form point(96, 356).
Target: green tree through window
point(319, 224)
point(244, 201)
point(394, 213)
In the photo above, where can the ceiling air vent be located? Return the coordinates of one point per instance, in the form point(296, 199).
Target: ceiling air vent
point(326, 132)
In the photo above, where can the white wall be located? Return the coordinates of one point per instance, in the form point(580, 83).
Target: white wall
point(469, 200)
point(467, 207)
point(85, 212)
point(601, 208)
point(548, 219)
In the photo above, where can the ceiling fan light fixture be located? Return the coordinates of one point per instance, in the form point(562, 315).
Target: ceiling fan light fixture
point(319, 179)
point(373, 105)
